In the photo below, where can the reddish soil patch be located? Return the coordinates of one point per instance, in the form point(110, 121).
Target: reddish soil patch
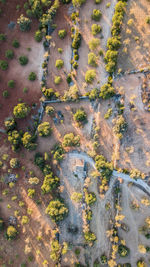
point(15, 71)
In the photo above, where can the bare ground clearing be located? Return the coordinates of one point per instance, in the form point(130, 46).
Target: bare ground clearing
point(135, 51)
point(85, 28)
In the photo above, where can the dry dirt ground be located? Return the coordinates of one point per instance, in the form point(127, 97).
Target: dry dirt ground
point(134, 149)
point(134, 219)
point(62, 20)
point(134, 53)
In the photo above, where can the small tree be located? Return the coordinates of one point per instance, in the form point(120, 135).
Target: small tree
point(56, 210)
point(24, 23)
point(71, 140)
point(44, 129)
point(90, 76)
point(50, 183)
point(21, 111)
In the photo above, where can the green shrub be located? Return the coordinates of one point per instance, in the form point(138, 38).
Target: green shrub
point(66, 1)
point(94, 43)
point(58, 152)
point(49, 110)
point(2, 37)
point(11, 84)
point(38, 36)
point(24, 23)
point(15, 43)
point(9, 54)
point(31, 192)
point(107, 91)
point(14, 163)
point(72, 94)
point(80, 116)
point(50, 183)
point(93, 94)
point(56, 210)
point(57, 80)
point(92, 59)
point(44, 129)
point(48, 92)
point(76, 40)
point(77, 197)
point(39, 160)
point(120, 126)
point(90, 198)
point(5, 93)
point(62, 34)
point(95, 28)
point(23, 60)
point(24, 220)
point(3, 65)
point(104, 167)
point(78, 3)
point(90, 75)
point(103, 259)
point(75, 65)
point(60, 50)
point(10, 124)
point(21, 111)
point(15, 139)
point(1, 224)
point(148, 20)
point(11, 232)
point(32, 76)
point(89, 236)
point(108, 113)
point(123, 251)
point(71, 140)
point(98, 2)
point(96, 15)
point(59, 63)
point(28, 141)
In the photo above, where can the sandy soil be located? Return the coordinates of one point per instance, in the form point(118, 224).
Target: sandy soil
point(135, 54)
